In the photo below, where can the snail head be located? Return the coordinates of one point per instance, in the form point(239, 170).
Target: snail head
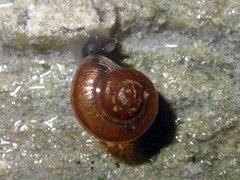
point(98, 44)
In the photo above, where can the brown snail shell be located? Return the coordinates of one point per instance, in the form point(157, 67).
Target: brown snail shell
point(112, 103)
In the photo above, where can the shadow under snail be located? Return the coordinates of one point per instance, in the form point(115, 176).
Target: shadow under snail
point(112, 103)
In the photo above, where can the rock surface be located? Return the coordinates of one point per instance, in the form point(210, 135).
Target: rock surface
point(189, 49)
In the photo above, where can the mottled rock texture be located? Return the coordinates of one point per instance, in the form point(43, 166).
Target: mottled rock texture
point(189, 49)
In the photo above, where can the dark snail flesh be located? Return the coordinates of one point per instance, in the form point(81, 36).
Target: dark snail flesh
point(112, 103)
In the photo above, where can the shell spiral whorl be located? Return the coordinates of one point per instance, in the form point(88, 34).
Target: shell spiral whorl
point(112, 103)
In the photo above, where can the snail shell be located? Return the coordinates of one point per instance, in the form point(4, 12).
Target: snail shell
point(112, 103)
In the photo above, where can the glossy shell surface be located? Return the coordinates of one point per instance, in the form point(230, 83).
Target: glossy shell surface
point(112, 103)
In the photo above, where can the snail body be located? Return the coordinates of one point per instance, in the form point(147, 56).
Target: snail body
point(113, 103)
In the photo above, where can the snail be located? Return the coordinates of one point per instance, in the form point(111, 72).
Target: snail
point(112, 103)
